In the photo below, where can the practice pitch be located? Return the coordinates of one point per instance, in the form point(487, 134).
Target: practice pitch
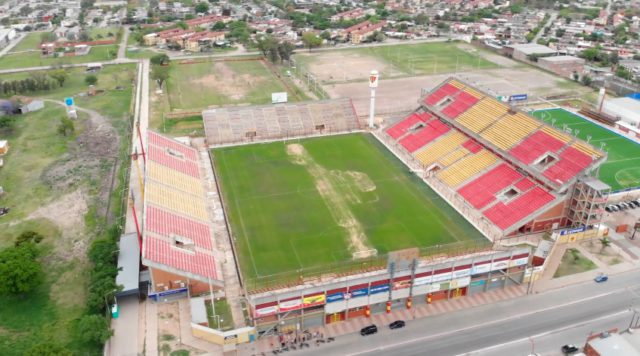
point(622, 168)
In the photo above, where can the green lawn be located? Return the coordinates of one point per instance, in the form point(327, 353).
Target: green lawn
point(622, 168)
point(573, 262)
point(30, 42)
point(196, 86)
point(50, 312)
point(415, 59)
point(185, 126)
point(34, 59)
point(283, 223)
point(223, 310)
point(104, 32)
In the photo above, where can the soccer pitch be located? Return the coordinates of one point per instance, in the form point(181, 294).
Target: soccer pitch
point(314, 202)
point(622, 168)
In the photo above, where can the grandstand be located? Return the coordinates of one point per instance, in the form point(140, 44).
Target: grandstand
point(505, 164)
point(247, 124)
point(178, 244)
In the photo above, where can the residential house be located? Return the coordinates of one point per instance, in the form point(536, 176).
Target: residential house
point(6, 35)
point(200, 41)
point(26, 104)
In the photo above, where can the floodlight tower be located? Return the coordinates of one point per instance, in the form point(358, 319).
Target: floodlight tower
point(373, 84)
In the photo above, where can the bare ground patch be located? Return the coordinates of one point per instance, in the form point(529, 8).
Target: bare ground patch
point(229, 83)
point(402, 94)
point(344, 66)
point(169, 331)
point(331, 187)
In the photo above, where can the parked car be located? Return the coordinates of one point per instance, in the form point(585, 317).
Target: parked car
point(368, 330)
point(625, 206)
point(619, 206)
point(601, 278)
point(634, 204)
point(398, 324)
point(614, 208)
point(608, 208)
point(569, 349)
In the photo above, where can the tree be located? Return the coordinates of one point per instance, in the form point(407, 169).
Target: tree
point(575, 254)
point(66, 127)
point(586, 80)
point(20, 271)
point(201, 8)
point(605, 242)
point(325, 35)
point(183, 25)
point(59, 75)
point(47, 349)
point(310, 40)
point(47, 37)
point(218, 26)
point(91, 79)
point(576, 76)
point(623, 73)
point(28, 237)
point(83, 36)
point(160, 74)
point(266, 43)
point(94, 329)
point(160, 59)
point(285, 50)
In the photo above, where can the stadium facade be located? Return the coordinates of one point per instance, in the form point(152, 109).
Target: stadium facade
point(504, 171)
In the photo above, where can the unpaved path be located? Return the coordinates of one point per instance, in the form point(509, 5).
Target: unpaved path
point(337, 196)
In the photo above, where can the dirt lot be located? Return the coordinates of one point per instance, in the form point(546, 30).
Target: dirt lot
point(402, 94)
point(346, 66)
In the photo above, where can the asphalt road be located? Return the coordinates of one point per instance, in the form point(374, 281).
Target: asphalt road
point(504, 328)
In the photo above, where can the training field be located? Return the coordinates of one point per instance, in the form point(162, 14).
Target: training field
point(392, 61)
point(622, 168)
point(312, 203)
point(199, 85)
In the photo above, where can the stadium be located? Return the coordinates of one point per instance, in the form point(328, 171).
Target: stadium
point(322, 221)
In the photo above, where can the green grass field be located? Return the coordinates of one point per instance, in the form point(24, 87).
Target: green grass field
point(311, 203)
point(622, 168)
point(196, 86)
point(34, 59)
point(29, 42)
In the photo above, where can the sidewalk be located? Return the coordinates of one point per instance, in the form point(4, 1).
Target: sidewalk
point(418, 312)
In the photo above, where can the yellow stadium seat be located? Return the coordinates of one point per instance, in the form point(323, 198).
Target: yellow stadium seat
point(466, 168)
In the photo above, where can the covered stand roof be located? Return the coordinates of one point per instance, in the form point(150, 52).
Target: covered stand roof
point(177, 234)
point(128, 265)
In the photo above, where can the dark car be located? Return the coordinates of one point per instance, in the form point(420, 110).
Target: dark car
point(398, 324)
point(368, 330)
point(569, 349)
point(601, 278)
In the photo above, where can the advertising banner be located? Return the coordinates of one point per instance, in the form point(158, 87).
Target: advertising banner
point(336, 297)
point(402, 284)
point(290, 305)
point(499, 265)
point(358, 293)
point(379, 289)
point(519, 262)
point(310, 301)
point(422, 281)
point(262, 312)
point(441, 277)
point(484, 268)
point(461, 273)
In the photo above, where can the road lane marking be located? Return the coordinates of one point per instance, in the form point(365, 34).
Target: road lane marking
point(517, 316)
point(548, 332)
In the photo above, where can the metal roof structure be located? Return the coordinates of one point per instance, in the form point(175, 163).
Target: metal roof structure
point(177, 235)
point(128, 265)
